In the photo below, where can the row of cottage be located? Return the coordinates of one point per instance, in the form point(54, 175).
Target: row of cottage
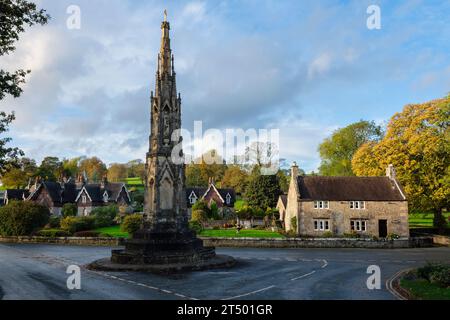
point(369, 206)
point(88, 196)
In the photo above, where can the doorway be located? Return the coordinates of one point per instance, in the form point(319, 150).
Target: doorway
point(382, 228)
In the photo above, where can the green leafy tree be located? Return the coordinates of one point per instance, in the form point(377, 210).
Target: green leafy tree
point(337, 151)
point(51, 169)
point(19, 176)
point(417, 143)
point(263, 192)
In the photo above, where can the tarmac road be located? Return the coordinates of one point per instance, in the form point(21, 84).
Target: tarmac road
point(39, 272)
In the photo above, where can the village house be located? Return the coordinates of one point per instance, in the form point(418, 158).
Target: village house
point(86, 196)
point(281, 206)
point(14, 194)
point(369, 206)
point(224, 198)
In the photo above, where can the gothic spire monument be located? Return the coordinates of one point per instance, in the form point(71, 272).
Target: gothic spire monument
point(164, 241)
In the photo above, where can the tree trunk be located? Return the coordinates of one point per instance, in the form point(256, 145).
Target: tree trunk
point(439, 221)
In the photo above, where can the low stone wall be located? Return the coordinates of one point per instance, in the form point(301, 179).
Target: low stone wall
point(74, 241)
point(441, 240)
point(317, 243)
point(243, 242)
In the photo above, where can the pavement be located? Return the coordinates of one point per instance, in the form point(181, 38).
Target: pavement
point(39, 272)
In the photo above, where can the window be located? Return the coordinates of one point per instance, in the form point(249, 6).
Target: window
point(105, 197)
point(228, 198)
point(358, 225)
point(321, 225)
point(192, 198)
point(358, 205)
point(321, 205)
point(83, 199)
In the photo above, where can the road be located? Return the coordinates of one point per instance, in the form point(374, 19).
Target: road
point(39, 272)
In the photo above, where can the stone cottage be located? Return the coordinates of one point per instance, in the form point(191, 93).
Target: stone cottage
point(282, 206)
point(369, 206)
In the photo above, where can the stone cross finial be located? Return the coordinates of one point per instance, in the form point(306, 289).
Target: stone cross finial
point(165, 15)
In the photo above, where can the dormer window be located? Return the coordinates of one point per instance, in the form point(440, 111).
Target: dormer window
point(321, 204)
point(192, 198)
point(228, 199)
point(105, 197)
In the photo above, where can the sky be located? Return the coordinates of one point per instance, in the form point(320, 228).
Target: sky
point(303, 67)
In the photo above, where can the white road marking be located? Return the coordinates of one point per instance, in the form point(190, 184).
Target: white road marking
point(304, 276)
point(249, 293)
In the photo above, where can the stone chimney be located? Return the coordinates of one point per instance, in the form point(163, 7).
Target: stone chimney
point(390, 172)
point(294, 170)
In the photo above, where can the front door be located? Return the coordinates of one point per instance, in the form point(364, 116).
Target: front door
point(382, 228)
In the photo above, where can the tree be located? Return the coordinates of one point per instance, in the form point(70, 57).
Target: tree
point(337, 151)
point(14, 16)
point(263, 192)
point(136, 169)
point(51, 169)
point(234, 177)
point(94, 168)
point(70, 167)
point(117, 172)
point(20, 175)
point(417, 143)
point(210, 165)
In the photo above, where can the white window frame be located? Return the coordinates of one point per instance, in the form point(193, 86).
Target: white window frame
point(193, 198)
point(359, 225)
point(228, 198)
point(321, 225)
point(357, 205)
point(83, 199)
point(321, 204)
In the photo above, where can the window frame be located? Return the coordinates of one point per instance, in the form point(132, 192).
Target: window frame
point(321, 204)
point(321, 224)
point(357, 205)
point(358, 225)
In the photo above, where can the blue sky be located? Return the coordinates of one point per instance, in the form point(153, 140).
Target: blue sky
point(305, 67)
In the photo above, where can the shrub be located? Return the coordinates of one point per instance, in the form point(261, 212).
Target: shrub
point(69, 210)
point(294, 224)
point(214, 211)
point(104, 216)
point(54, 223)
point(53, 233)
point(328, 234)
point(86, 234)
point(441, 277)
point(352, 234)
point(426, 271)
point(393, 236)
point(195, 226)
point(199, 216)
point(131, 223)
point(21, 218)
point(76, 224)
point(201, 205)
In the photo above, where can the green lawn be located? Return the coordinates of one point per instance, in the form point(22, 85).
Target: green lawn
point(113, 231)
point(231, 233)
point(424, 290)
point(134, 183)
point(424, 220)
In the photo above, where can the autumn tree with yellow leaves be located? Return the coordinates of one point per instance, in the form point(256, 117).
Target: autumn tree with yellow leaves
point(417, 143)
